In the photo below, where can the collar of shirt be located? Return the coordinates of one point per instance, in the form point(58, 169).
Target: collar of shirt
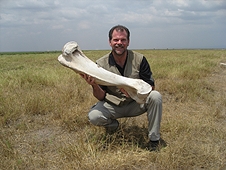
point(111, 60)
point(113, 63)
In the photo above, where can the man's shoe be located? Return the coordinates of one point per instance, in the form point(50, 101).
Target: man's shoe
point(153, 145)
point(112, 128)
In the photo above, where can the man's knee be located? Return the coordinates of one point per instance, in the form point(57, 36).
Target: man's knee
point(155, 96)
point(93, 117)
point(96, 118)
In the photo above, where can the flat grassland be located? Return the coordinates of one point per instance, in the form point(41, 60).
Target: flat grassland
point(44, 106)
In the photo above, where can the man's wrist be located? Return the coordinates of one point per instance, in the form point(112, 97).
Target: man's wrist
point(94, 86)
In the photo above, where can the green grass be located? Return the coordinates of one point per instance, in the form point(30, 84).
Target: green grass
point(44, 106)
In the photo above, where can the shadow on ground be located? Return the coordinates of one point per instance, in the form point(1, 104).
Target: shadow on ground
point(131, 136)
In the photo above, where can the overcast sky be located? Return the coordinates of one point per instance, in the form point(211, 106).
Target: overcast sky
point(41, 25)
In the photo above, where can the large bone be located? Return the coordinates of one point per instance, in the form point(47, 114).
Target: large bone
point(73, 58)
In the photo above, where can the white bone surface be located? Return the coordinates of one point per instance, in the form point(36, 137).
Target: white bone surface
point(73, 58)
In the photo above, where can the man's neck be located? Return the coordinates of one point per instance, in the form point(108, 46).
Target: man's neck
point(120, 59)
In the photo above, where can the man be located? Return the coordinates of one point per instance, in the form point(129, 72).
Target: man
point(115, 103)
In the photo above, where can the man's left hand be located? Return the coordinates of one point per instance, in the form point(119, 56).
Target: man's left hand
point(124, 92)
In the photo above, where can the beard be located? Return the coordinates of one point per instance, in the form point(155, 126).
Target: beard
point(119, 50)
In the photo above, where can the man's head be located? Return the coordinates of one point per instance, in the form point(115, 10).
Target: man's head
point(119, 28)
point(119, 40)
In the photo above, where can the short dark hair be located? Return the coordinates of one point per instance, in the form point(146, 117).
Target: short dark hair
point(118, 28)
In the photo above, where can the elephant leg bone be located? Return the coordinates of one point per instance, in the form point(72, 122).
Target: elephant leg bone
point(73, 58)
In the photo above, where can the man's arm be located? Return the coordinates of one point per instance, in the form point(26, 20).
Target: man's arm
point(98, 92)
point(146, 73)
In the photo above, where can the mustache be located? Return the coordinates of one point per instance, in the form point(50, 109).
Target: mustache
point(119, 45)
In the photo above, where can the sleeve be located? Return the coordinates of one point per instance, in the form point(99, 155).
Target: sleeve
point(145, 72)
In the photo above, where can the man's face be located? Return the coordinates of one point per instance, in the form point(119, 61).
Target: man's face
point(119, 42)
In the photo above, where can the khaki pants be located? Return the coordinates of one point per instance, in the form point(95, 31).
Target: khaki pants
point(103, 113)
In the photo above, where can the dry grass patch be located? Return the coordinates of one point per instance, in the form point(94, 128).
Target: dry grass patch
point(43, 115)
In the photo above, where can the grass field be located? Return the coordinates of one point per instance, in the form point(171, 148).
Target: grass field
point(44, 106)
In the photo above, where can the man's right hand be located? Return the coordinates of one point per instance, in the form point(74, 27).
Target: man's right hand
point(97, 91)
point(89, 79)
